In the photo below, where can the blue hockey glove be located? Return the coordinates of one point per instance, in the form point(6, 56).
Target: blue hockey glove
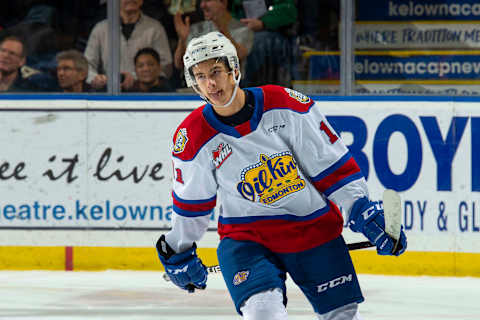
point(367, 217)
point(185, 269)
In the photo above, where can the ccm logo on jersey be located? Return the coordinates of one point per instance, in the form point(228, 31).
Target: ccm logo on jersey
point(180, 141)
point(221, 153)
point(334, 283)
point(300, 97)
point(276, 128)
point(240, 277)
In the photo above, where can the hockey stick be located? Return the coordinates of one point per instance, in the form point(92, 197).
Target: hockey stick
point(393, 224)
point(350, 246)
point(392, 209)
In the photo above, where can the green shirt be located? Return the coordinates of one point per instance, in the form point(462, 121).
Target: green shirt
point(280, 13)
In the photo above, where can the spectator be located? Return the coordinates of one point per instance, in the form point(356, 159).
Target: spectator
point(37, 31)
point(269, 60)
point(12, 59)
point(76, 19)
point(148, 69)
point(318, 27)
point(138, 31)
point(158, 10)
point(72, 71)
point(217, 18)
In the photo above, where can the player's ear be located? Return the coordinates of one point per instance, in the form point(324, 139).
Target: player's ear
point(233, 76)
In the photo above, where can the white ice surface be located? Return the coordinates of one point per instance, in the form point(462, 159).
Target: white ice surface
point(107, 295)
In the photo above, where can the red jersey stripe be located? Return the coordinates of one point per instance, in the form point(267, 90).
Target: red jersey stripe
point(347, 169)
point(286, 236)
point(201, 206)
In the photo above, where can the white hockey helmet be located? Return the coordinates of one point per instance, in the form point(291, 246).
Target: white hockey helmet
point(209, 46)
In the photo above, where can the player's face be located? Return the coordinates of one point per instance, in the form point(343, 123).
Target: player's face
point(214, 81)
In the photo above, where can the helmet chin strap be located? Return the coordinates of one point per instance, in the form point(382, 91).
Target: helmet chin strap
point(237, 85)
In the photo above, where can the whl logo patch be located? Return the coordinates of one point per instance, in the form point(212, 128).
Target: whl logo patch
point(221, 153)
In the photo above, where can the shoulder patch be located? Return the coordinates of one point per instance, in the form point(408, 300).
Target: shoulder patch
point(181, 140)
point(277, 97)
point(191, 135)
point(300, 97)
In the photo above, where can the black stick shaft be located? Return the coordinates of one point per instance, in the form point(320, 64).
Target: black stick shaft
point(350, 246)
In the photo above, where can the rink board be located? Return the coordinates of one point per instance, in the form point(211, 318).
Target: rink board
point(86, 183)
point(125, 258)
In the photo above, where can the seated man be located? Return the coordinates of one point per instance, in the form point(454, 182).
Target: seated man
point(269, 60)
point(217, 18)
point(148, 70)
point(137, 31)
point(12, 59)
point(72, 71)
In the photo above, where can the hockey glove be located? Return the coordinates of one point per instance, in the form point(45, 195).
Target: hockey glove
point(185, 269)
point(367, 217)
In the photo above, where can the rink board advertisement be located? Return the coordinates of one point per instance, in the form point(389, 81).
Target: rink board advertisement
point(102, 170)
point(407, 10)
point(391, 88)
point(417, 35)
point(86, 169)
point(427, 151)
point(446, 66)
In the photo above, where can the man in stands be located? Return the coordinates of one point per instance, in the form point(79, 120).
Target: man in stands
point(137, 31)
point(72, 71)
point(217, 18)
point(271, 21)
point(149, 73)
point(12, 59)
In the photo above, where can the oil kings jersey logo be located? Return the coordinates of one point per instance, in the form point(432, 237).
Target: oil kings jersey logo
point(300, 97)
point(221, 153)
point(180, 141)
point(270, 179)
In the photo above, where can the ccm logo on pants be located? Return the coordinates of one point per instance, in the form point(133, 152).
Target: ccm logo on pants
point(335, 282)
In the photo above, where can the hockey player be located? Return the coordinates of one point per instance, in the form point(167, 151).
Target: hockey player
point(280, 171)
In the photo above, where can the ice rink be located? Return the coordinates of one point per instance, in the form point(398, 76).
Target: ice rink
point(145, 295)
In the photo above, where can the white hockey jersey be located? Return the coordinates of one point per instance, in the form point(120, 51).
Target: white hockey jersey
point(278, 175)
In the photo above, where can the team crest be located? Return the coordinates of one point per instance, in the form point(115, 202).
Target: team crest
point(221, 153)
point(180, 141)
point(240, 277)
point(271, 179)
point(300, 97)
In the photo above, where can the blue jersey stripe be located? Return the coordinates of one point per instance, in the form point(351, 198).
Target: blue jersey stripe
point(201, 201)
point(343, 182)
point(332, 168)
